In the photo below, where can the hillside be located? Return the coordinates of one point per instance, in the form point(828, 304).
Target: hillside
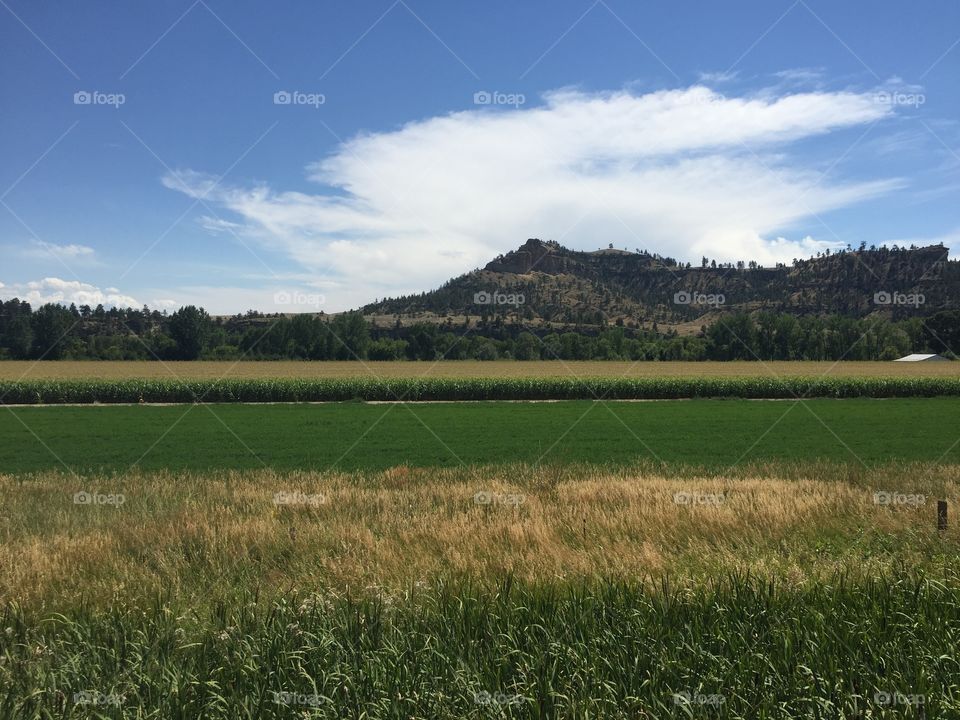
point(546, 283)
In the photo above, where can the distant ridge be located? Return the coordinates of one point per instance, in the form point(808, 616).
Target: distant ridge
point(559, 285)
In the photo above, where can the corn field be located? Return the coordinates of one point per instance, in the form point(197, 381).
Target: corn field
point(86, 391)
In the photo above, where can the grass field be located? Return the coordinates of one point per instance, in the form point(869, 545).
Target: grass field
point(17, 370)
point(683, 558)
point(710, 433)
point(560, 592)
point(742, 648)
point(203, 535)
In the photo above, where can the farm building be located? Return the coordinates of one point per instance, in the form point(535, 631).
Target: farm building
point(916, 357)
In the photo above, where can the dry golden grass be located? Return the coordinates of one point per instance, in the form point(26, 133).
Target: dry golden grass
point(201, 537)
point(15, 370)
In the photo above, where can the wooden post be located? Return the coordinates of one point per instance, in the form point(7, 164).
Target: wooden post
point(941, 514)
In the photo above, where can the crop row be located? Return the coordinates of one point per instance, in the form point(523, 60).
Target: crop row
point(34, 392)
point(742, 649)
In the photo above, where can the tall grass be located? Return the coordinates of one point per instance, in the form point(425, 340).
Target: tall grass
point(739, 647)
point(400, 594)
point(434, 388)
point(205, 534)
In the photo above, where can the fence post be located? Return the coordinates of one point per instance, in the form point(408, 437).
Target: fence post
point(941, 514)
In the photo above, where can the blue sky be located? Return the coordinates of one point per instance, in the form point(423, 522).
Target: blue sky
point(744, 130)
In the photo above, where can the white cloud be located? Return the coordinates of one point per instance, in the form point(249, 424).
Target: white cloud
point(72, 252)
point(949, 240)
point(230, 300)
point(801, 74)
point(55, 290)
point(215, 226)
point(681, 172)
point(713, 78)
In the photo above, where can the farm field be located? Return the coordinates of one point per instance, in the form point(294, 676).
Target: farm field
point(714, 434)
point(212, 370)
point(210, 533)
point(356, 389)
point(658, 559)
point(522, 592)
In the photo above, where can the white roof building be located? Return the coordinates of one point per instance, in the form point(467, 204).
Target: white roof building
point(917, 357)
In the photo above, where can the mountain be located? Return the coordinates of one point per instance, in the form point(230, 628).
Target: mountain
point(543, 282)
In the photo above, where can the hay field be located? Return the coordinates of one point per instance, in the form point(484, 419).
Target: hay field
point(204, 537)
point(26, 370)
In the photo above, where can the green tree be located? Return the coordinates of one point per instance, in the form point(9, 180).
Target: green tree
point(51, 324)
point(189, 328)
point(486, 350)
point(352, 336)
point(16, 335)
point(387, 349)
point(732, 337)
point(527, 347)
point(943, 332)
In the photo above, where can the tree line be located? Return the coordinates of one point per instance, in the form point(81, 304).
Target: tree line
point(54, 332)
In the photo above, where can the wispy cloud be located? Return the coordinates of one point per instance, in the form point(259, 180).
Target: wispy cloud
point(216, 226)
point(716, 78)
point(67, 253)
point(801, 74)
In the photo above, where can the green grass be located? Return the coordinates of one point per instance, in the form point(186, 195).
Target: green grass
point(749, 648)
point(765, 646)
point(711, 433)
point(27, 392)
